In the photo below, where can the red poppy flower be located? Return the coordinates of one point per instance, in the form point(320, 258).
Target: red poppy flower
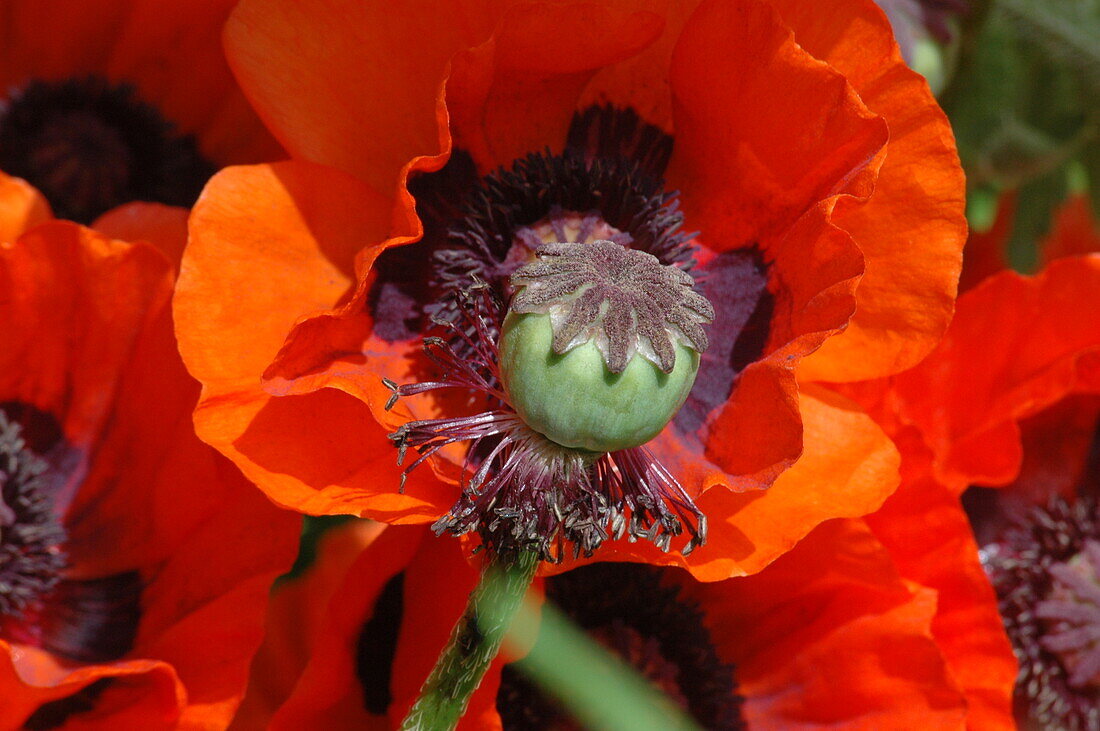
point(306, 282)
point(1017, 351)
point(827, 635)
point(1046, 348)
point(104, 103)
point(135, 560)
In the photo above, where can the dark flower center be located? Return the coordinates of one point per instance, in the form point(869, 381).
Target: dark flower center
point(607, 184)
point(1045, 568)
point(634, 613)
point(89, 145)
point(513, 209)
point(86, 620)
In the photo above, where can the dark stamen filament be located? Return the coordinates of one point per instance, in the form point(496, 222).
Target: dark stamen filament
point(520, 490)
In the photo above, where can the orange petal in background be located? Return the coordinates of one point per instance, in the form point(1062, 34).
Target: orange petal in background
point(986, 252)
point(517, 93)
point(328, 693)
point(830, 635)
point(296, 617)
point(1075, 231)
point(165, 227)
point(63, 283)
point(931, 543)
point(748, 160)
point(171, 53)
point(1013, 348)
point(91, 342)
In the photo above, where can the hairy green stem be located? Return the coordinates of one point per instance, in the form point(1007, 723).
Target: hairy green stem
point(474, 642)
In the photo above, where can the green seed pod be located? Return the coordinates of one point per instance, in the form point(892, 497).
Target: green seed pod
point(574, 400)
point(601, 344)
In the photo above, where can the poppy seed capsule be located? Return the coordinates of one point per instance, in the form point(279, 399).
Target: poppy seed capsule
point(601, 344)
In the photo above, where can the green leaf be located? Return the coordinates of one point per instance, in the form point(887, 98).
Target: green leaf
point(1023, 105)
point(987, 89)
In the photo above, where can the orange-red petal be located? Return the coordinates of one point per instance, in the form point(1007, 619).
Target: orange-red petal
point(286, 234)
point(328, 695)
point(750, 160)
point(1057, 444)
point(986, 252)
point(1075, 231)
point(142, 694)
point(830, 636)
point(165, 227)
point(929, 538)
point(1016, 346)
point(296, 616)
point(912, 228)
point(516, 93)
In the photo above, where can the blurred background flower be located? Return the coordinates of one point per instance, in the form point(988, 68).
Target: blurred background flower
point(104, 103)
point(134, 560)
point(1006, 399)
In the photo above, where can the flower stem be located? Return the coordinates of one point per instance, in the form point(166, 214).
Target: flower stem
point(474, 642)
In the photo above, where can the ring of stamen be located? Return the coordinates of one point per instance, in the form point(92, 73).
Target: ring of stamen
point(520, 490)
point(31, 536)
point(1073, 611)
point(1041, 569)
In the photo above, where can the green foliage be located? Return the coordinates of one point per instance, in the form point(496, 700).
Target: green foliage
point(1090, 162)
point(1064, 30)
point(1034, 212)
point(981, 209)
point(1025, 108)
